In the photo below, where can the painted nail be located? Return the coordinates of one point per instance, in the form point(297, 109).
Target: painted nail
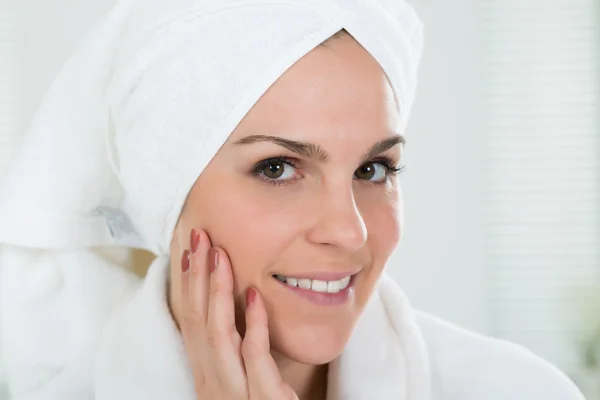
point(213, 259)
point(194, 239)
point(185, 260)
point(250, 296)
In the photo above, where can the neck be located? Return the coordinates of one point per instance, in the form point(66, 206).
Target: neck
point(307, 381)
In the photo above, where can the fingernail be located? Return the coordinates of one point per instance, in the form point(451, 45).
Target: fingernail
point(185, 260)
point(250, 296)
point(194, 239)
point(213, 259)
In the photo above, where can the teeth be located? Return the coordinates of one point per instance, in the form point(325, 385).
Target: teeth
point(303, 283)
point(316, 285)
point(333, 286)
point(344, 282)
point(291, 281)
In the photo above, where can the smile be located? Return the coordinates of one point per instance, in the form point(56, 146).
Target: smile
point(316, 285)
point(329, 289)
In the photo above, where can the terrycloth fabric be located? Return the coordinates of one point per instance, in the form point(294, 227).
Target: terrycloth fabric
point(53, 306)
point(151, 95)
point(57, 352)
point(141, 354)
point(128, 126)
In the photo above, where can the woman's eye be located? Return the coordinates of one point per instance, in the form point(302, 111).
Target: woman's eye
point(282, 170)
point(277, 170)
point(372, 171)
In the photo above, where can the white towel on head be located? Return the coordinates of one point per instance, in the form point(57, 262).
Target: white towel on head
point(162, 84)
point(129, 124)
point(157, 88)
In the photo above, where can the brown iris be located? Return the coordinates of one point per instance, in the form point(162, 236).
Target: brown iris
point(366, 172)
point(274, 170)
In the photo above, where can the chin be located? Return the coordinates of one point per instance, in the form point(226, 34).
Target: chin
point(311, 345)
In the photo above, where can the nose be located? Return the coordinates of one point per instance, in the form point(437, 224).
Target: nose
point(338, 222)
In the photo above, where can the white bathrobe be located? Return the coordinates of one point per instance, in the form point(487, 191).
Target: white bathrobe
point(130, 123)
point(101, 333)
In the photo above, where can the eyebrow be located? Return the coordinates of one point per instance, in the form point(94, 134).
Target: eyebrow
point(315, 151)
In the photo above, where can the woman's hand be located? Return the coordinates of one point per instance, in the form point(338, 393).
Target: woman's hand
point(225, 366)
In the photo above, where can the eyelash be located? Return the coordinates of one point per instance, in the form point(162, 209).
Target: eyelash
point(256, 171)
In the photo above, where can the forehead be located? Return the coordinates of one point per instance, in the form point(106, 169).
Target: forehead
point(335, 90)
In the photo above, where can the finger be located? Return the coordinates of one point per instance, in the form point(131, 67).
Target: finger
point(222, 336)
point(187, 327)
point(221, 308)
point(194, 288)
point(198, 282)
point(185, 291)
point(264, 378)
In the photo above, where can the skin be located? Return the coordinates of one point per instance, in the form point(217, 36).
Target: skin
point(322, 218)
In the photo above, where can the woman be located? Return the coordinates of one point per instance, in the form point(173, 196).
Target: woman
point(254, 147)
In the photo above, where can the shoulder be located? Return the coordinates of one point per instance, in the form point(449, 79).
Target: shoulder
point(466, 365)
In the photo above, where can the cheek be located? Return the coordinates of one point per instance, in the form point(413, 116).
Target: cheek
point(383, 218)
point(254, 226)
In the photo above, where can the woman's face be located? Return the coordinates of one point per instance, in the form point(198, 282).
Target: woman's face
point(302, 189)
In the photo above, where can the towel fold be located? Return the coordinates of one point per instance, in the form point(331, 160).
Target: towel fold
point(134, 116)
point(151, 95)
point(141, 353)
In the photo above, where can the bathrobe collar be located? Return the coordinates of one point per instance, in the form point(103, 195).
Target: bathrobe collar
point(141, 353)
